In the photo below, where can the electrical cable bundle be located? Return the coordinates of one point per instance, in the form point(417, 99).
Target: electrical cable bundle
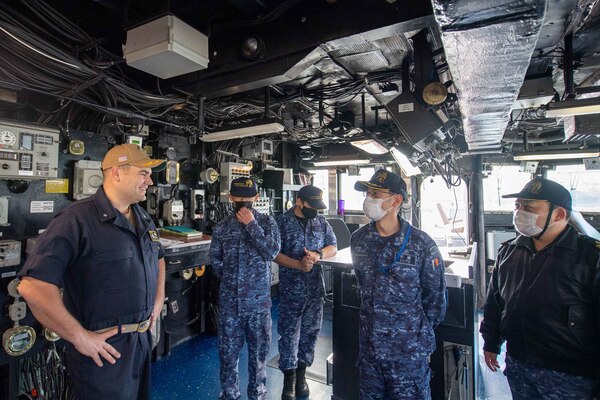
point(49, 66)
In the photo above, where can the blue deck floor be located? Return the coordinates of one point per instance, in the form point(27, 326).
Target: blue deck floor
point(191, 371)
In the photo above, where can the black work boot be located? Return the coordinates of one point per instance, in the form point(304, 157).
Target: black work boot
point(289, 379)
point(301, 385)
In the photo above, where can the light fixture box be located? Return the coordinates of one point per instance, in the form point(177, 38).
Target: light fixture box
point(258, 127)
point(166, 47)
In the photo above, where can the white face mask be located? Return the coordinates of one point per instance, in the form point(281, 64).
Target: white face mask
point(525, 223)
point(373, 210)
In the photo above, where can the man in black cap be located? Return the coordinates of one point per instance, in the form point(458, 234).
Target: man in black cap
point(400, 272)
point(544, 300)
point(306, 237)
point(242, 248)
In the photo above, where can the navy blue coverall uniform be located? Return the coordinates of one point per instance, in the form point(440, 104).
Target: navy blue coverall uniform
point(546, 305)
point(241, 257)
point(109, 271)
point(402, 289)
point(301, 293)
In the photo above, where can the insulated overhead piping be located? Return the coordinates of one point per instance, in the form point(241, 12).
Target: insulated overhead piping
point(488, 46)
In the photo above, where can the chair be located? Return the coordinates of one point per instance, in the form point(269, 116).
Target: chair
point(341, 231)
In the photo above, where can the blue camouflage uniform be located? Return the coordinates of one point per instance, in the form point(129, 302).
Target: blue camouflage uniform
point(402, 301)
point(530, 382)
point(109, 272)
point(301, 293)
point(241, 257)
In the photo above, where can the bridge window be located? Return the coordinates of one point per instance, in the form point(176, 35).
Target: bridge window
point(320, 180)
point(505, 179)
point(583, 184)
point(353, 200)
point(444, 212)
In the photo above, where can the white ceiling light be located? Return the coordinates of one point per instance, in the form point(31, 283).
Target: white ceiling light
point(573, 107)
point(244, 131)
point(371, 146)
point(557, 155)
point(335, 163)
point(407, 167)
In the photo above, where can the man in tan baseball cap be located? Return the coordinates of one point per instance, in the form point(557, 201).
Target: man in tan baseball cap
point(130, 154)
point(106, 254)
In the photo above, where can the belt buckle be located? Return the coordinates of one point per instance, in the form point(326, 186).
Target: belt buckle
point(143, 326)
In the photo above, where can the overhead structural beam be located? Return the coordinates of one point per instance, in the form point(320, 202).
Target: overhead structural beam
point(287, 53)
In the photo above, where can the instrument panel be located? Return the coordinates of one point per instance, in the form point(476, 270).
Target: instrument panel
point(28, 151)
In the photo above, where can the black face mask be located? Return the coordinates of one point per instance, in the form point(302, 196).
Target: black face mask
point(309, 213)
point(240, 204)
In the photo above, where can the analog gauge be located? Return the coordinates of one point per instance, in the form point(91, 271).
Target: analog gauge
point(7, 138)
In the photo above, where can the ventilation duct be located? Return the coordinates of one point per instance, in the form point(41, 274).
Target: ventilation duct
point(488, 45)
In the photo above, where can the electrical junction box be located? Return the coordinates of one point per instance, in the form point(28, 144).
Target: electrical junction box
point(166, 47)
point(135, 140)
point(87, 178)
point(10, 253)
point(258, 149)
point(173, 211)
point(535, 93)
point(452, 280)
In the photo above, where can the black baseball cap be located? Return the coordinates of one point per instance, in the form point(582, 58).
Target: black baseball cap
point(545, 189)
point(383, 180)
point(313, 196)
point(243, 187)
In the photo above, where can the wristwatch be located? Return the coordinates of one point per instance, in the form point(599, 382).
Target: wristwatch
point(319, 252)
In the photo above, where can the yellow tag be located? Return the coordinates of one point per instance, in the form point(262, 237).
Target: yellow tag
point(154, 236)
point(57, 186)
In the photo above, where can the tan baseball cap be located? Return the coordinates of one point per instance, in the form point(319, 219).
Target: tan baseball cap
point(130, 154)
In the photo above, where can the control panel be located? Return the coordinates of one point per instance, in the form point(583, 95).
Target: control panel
point(262, 206)
point(28, 151)
point(229, 172)
point(10, 253)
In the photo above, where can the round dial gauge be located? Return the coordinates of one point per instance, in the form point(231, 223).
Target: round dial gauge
point(7, 138)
